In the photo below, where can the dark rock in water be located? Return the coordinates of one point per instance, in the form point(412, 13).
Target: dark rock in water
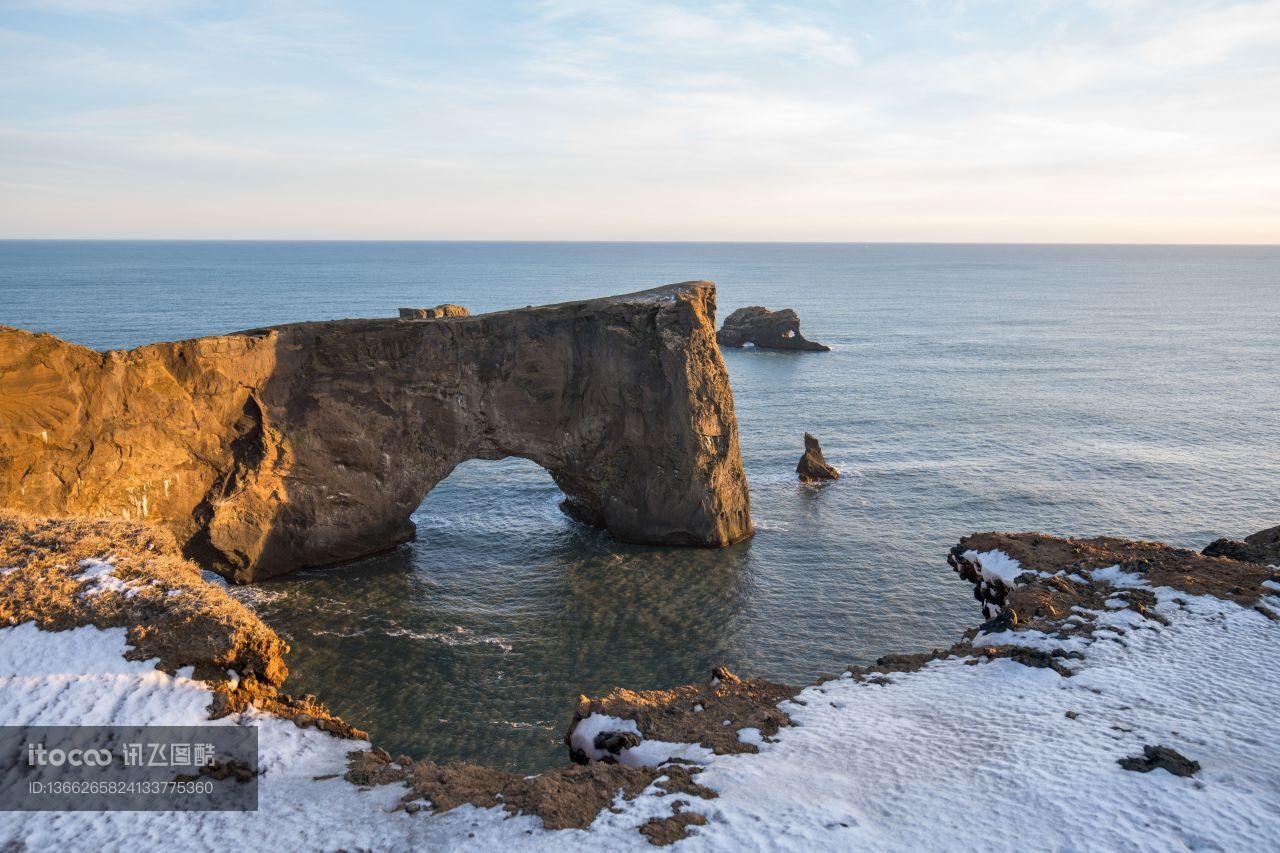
point(766, 329)
point(1160, 758)
point(812, 467)
point(1262, 547)
point(722, 674)
point(308, 444)
point(436, 313)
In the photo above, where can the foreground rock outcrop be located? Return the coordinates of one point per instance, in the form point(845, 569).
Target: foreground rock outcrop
point(273, 449)
point(65, 573)
point(1156, 563)
point(766, 329)
point(1261, 547)
point(709, 714)
point(812, 467)
point(569, 797)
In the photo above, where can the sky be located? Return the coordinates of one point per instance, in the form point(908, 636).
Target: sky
point(900, 120)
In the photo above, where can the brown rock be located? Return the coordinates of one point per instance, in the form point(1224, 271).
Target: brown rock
point(565, 798)
point(307, 444)
point(1159, 564)
point(766, 329)
point(723, 674)
point(693, 713)
point(662, 831)
point(436, 313)
point(1262, 547)
point(812, 468)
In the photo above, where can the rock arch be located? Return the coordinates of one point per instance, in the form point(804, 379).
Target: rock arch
point(306, 444)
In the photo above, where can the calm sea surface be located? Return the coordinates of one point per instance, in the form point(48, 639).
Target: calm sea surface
point(1076, 390)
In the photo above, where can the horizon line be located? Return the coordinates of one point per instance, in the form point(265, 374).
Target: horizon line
point(484, 241)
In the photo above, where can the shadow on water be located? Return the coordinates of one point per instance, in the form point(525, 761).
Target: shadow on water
point(474, 641)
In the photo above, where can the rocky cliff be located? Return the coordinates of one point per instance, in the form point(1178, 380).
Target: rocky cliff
point(274, 449)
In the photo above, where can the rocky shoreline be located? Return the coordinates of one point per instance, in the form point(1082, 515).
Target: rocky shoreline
point(1052, 591)
point(1044, 598)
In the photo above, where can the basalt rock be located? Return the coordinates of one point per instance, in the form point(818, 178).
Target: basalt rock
point(812, 468)
point(1261, 547)
point(436, 313)
point(1160, 758)
point(307, 444)
point(766, 329)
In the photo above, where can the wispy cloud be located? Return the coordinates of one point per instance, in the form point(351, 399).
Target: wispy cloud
point(938, 119)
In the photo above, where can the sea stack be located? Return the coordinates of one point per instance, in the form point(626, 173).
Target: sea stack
point(812, 468)
point(766, 329)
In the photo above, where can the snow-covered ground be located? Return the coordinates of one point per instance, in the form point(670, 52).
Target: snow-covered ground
point(952, 757)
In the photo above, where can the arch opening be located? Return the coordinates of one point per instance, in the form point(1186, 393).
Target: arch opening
point(486, 499)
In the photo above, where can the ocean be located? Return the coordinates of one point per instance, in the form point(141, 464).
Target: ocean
point(1123, 390)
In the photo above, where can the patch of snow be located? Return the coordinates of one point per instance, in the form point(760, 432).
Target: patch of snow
point(751, 736)
point(90, 569)
point(1126, 619)
point(995, 565)
point(583, 736)
point(1117, 578)
point(101, 578)
point(1033, 639)
point(1269, 584)
point(655, 753)
point(650, 753)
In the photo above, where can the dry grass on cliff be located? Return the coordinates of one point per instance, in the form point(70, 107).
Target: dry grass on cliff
point(1158, 564)
point(696, 713)
point(565, 798)
point(162, 600)
point(169, 611)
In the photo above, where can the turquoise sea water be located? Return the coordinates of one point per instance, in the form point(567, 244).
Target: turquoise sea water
point(1076, 390)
